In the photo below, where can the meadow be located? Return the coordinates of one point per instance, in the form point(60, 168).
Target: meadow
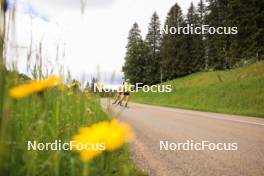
point(53, 114)
point(44, 107)
point(238, 91)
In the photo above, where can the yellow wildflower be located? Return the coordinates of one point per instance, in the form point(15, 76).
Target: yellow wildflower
point(113, 134)
point(62, 87)
point(33, 87)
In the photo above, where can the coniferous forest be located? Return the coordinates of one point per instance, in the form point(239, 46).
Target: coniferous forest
point(164, 56)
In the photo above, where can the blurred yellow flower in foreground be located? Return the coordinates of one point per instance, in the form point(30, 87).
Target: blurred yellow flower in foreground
point(34, 87)
point(113, 134)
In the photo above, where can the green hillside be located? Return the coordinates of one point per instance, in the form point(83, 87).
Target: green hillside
point(238, 91)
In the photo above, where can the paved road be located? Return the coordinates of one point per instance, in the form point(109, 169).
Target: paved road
point(153, 124)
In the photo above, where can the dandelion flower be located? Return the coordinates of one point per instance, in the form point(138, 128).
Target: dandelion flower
point(33, 87)
point(119, 133)
point(113, 134)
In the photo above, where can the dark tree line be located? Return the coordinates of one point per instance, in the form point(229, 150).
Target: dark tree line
point(166, 56)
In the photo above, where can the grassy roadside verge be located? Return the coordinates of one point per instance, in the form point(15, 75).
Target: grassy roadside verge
point(239, 91)
point(46, 117)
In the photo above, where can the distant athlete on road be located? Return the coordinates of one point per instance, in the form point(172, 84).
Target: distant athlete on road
point(120, 92)
point(127, 89)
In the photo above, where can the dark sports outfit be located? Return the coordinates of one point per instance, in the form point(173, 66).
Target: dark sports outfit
point(126, 93)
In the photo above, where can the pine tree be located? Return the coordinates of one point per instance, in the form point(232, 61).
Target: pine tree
point(134, 35)
point(201, 11)
point(248, 16)
point(225, 51)
point(194, 44)
point(259, 39)
point(218, 45)
point(153, 41)
point(180, 55)
point(172, 55)
point(134, 68)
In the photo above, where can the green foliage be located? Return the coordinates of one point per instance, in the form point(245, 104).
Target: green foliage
point(135, 62)
point(195, 52)
point(173, 49)
point(135, 59)
point(46, 117)
point(248, 16)
point(218, 45)
point(134, 35)
point(170, 56)
point(2, 67)
point(225, 51)
point(153, 42)
point(239, 91)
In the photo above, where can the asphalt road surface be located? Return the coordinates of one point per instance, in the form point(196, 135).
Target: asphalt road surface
point(153, 124)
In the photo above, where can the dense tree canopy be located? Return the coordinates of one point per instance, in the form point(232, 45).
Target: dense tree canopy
point(166, 56)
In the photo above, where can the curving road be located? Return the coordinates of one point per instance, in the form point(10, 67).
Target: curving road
point(153, 124)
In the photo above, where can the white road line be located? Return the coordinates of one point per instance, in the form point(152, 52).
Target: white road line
point(233, 120)
point(204, 115)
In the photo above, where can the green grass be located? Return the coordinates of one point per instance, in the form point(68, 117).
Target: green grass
point(239, 91)
point(46, 117)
